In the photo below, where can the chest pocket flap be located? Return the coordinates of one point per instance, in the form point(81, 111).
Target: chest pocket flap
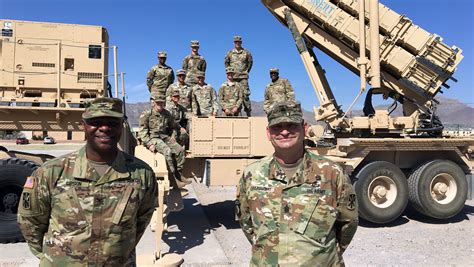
point(118, 213)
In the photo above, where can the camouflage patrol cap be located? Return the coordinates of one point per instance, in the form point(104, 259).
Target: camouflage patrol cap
point(237, 38)
point(157, 96)
point(285, 112)
point(175, 92)
point(162, 54)
point(180, 72)
point(229, 70)
point(274, 70)
point(103, 107)
point(194, 43)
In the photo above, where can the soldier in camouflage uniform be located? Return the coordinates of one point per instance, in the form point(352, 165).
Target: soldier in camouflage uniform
point(181, 118)
point(296, 208)
point(205, 98)
point(185, 91)
point(160, 76)
point(279, 90)
point(90, 207)
point(193, 64)
point(240, 59)
point(158, 132)
point(230, 95)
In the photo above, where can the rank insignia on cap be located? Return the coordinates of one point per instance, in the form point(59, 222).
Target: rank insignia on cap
point(351, 202)
point(30, 182)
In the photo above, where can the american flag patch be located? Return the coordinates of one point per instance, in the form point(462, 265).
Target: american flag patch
point(30, 182)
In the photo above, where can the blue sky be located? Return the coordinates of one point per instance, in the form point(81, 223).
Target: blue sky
point(140, 28)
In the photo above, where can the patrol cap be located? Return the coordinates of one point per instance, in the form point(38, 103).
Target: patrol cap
point(162, 54)
point(194, 43)
point(175, 92)
point(285, 112)
point(229, 70)
point(180, 72)
point(157, 96)
point(274, 70)
point(237, 38)
point(201, 74)
point(103, 107)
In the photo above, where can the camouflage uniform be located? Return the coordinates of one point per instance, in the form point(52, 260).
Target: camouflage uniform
point(160, 129)
point(181, 119)
point(205, 100)
point(70, 215)
point(278, 91)
point(307, 219)
point(230, 96)
point(159, 77)
point(193, 64)
point(241, 61)
point(185, 95)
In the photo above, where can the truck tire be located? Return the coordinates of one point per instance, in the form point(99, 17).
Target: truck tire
point(438, 189)
point(382, 192)
point(13, 173)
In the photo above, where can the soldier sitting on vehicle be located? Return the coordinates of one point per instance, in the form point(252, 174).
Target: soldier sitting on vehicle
point(205, 98)
point(278, 90)
point(158, 132)
point(230, 95)
point(181, 119)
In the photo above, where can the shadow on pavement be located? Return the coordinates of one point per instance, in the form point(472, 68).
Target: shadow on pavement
point(222, 213)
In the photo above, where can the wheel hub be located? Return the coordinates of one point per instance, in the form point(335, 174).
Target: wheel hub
point(443, 188)
point(382, 191)
point(10, 201)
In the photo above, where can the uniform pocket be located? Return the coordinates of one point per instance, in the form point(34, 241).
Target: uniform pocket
point(119, 214)
point(317, 221)
point(68, 211)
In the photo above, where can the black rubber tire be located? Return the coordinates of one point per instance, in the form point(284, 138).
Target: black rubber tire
point(13, 173)
point(420, 192)
point(368, 173)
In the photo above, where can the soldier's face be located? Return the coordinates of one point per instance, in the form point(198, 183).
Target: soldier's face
point(195, 49)
point(286, 136)
point(162, 60)
point(158, 105)
point(200, 80)
point(237, 44)
point(230, 76)
point(181, 78)
point(274, 76)
point(175, 99)
point(102, 133)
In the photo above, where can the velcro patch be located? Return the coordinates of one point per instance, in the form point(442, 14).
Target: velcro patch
point(351, 202)
point(26, 201)
point(30, 182)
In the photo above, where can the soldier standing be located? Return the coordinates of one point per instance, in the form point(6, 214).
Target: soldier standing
point(240, 59)
point(296, 208)
point(158, 132)
point(180, 116)
point(278, 90)
point(160, 76)
point(230, 95)
point(92, 206)
point(205, 98)
point(193, 64)
point(185, 91)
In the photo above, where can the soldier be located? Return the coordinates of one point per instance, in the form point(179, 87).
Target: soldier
point(180, 116)
point(185, 91)
point(296, 208)
point(230, 95)
point(160, 76)
point(205, 98)
point(278, 90)
point(92, 206)
point(240, 59)
point(158, 132)
point(193, 63)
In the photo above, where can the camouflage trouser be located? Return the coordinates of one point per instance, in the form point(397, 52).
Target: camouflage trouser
point(183, 139)
point(156, 89)
point(244, 82)
point(191, 79)
point(172, 152)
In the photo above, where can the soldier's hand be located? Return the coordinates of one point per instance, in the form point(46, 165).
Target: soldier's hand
point(234, 110)
point(227, 111)
point(214, 114)
point(152, 148)
point(182, 130)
